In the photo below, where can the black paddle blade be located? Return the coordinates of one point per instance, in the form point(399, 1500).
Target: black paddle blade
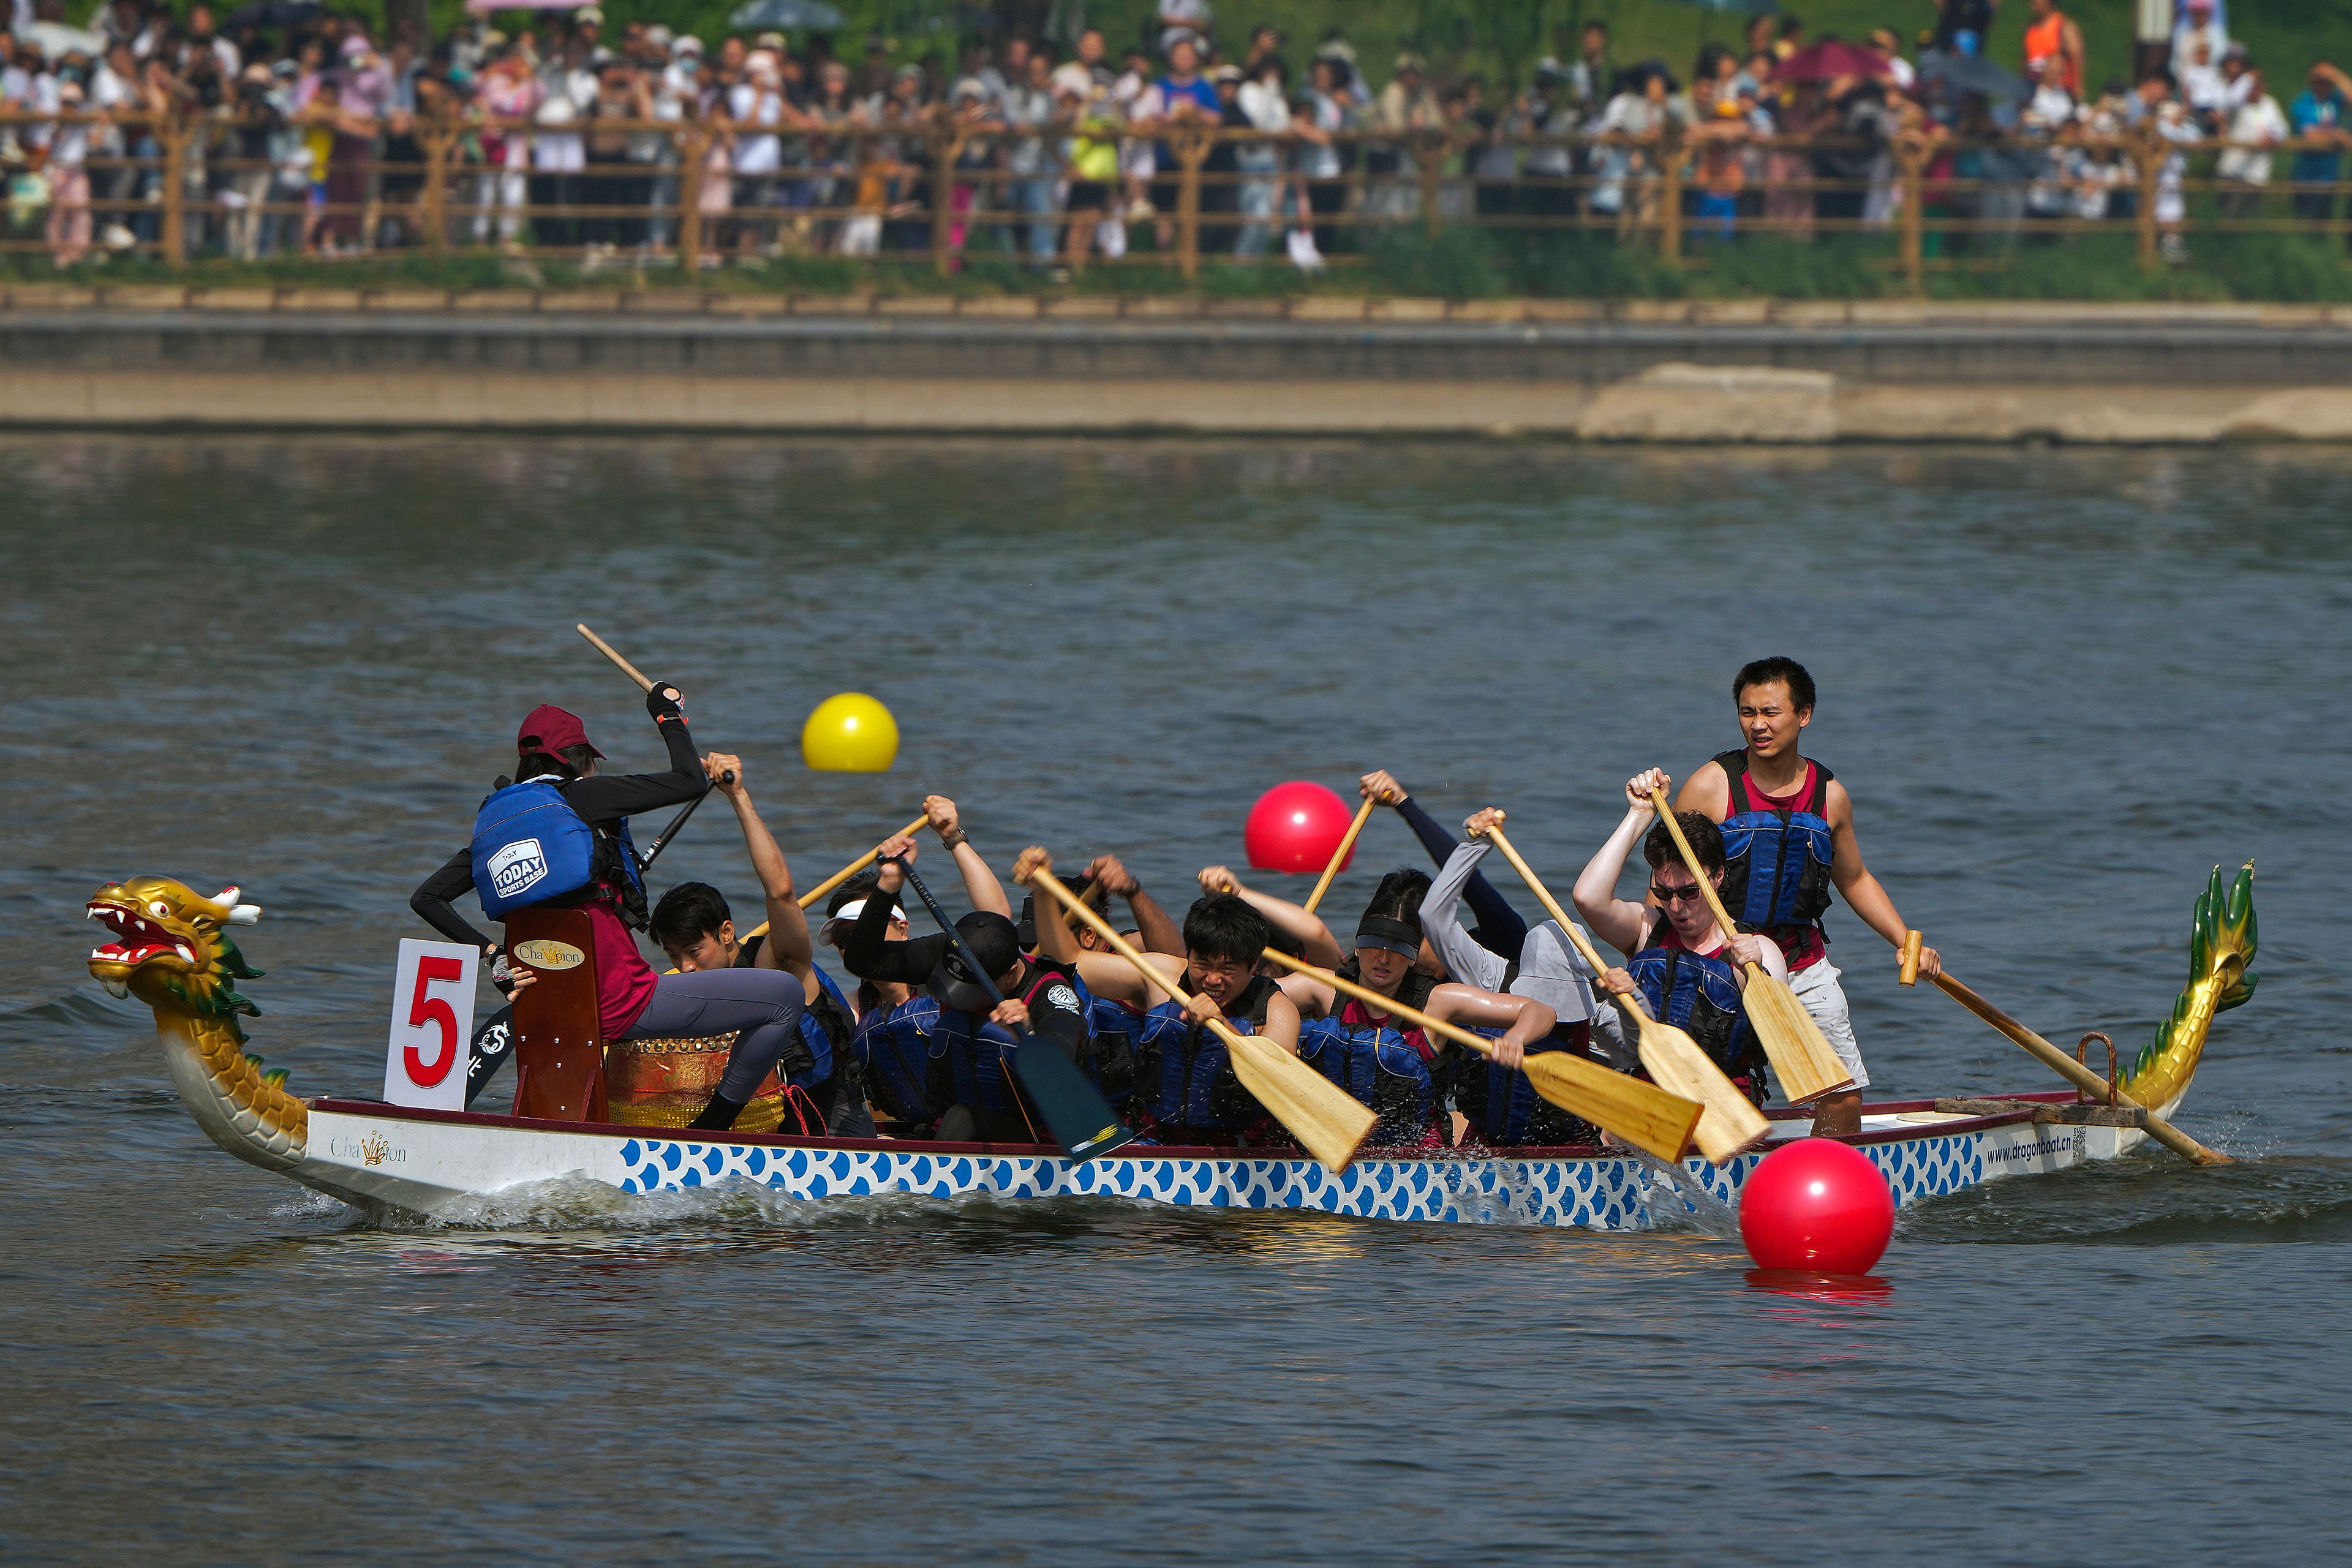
point(1080, 1118)
point(493, 1044)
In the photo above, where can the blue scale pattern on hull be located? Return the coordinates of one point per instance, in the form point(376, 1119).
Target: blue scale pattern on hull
point(1598, 1194)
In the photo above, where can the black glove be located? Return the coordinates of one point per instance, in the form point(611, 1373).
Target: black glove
point(717, 1116)
point(662, 702)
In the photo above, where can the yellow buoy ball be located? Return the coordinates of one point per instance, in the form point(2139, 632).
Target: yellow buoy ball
point(850, 734)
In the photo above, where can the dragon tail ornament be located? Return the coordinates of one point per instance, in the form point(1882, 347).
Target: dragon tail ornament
point(2221, 945)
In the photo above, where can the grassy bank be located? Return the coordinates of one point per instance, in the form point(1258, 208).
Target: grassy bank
point(1458, 264)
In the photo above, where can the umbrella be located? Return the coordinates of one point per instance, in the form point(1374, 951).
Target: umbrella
point(273, 14)
point(785, 17)
point(1972, 73)
point(1835, 57)
point(56, 40)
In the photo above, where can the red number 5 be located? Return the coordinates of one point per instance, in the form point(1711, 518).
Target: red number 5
point(423, 1010)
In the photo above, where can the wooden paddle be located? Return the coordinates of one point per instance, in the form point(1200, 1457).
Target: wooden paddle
point(2064, 1065)
point(1328, 1122)
point(607, 650)
point(1340, 856)
point(1731, 1125)
point(1802, 1058)
point(1642, 1114)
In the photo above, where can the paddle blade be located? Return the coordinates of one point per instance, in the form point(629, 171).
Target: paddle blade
point(1642, 1114)
point(1328, 1121)
point(1801, 1059)
point(1729, 1124)
point(1079, 1118)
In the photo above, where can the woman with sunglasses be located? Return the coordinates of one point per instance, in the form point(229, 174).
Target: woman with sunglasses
point(1687, 970)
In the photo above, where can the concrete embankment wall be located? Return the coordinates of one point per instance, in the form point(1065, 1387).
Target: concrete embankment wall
point(1681, 373)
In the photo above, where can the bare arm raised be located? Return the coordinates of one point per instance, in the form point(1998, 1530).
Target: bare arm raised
point(1614, 921)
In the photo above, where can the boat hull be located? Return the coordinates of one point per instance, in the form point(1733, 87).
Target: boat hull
point(443, 1164)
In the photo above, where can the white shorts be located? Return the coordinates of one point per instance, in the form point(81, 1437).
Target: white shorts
point(1817, 987)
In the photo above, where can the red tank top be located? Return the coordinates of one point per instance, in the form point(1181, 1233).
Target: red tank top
point(624, 982)
point(1802, 946)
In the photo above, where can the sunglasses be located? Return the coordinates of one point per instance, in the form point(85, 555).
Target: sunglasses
point(1666, 895)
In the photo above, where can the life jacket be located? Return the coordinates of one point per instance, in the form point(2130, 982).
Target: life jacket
point(1114, 1026)
point(975, 1051)
point(530, 846)
point(1502, 1102)
point(1185, 1087)
point(1698, 992)
point(1390, 1066)
point(897, 1047)
point(1776, 858)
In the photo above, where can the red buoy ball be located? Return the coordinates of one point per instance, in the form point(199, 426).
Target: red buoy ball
point(1295, 827)
point(1816, 1205)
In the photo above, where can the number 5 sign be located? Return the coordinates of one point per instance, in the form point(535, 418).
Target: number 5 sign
point(432, 1024)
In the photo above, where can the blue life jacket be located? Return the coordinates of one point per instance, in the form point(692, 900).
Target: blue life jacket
point(1184, 1081)
point(824, 1025)
point(1502, 1102)
point(1390, 1066)
point(1776, 861)
point(1699, 994)
point(1115, 1026)
point(898, 1049)
point(530, 846)
point(976, 1051)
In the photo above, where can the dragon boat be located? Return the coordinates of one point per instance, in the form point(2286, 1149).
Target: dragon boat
point(171, 949)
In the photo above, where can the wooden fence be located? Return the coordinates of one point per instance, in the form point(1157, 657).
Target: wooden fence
point(646, 190)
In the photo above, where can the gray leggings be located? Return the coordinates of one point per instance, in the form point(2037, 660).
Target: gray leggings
point(760, 1007)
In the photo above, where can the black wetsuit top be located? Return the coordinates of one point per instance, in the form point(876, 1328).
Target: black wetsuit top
point(869, 955)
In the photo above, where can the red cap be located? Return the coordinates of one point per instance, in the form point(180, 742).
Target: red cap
point(548, 727)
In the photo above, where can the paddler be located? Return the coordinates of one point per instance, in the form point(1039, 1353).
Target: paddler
point(1388, 1064)
point(897, 1043)
point(693, 925)
point(1499, 928)
point(1114, 1022)
point(560, 835)
point(1788, 836)
point(973, 1033)
point(1684, 966)
point(1185, 1090)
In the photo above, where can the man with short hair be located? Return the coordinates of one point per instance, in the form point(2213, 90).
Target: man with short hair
point(1788, 829)
point(693, 925)
point(2321, 114)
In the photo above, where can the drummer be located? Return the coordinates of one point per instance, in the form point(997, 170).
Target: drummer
point(526, 852)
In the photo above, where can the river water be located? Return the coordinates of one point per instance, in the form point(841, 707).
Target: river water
point(2062, 686)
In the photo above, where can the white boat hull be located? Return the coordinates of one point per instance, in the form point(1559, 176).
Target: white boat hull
point(442, 1164)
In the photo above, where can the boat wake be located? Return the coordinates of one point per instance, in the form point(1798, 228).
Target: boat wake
point(2148, 1198)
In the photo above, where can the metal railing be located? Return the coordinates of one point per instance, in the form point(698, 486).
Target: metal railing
point(177, 187)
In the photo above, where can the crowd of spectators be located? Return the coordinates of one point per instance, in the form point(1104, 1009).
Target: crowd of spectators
point(300, 131)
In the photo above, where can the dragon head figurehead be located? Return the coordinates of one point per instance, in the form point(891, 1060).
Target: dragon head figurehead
point(171, 947)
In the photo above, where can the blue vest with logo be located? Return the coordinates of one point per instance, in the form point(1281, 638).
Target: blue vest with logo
point(1185, 1074)
point(1776, 862)
point(530, 846)
point(977, 1052)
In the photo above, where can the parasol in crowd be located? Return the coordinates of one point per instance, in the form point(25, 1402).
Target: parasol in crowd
point(1827, 60)
point(785, 17)
point(272, 14)
point(1972, 73)
point(56, 40)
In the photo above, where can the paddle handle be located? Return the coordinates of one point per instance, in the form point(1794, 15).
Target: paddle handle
point(1909, 975)
point(1543, 896)
point(1340, 856)
point(607, 650)
point(2080, 1076)
point(1699, 874)
point(1120, 945)
point(855, 867)
point(1390, 1005)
